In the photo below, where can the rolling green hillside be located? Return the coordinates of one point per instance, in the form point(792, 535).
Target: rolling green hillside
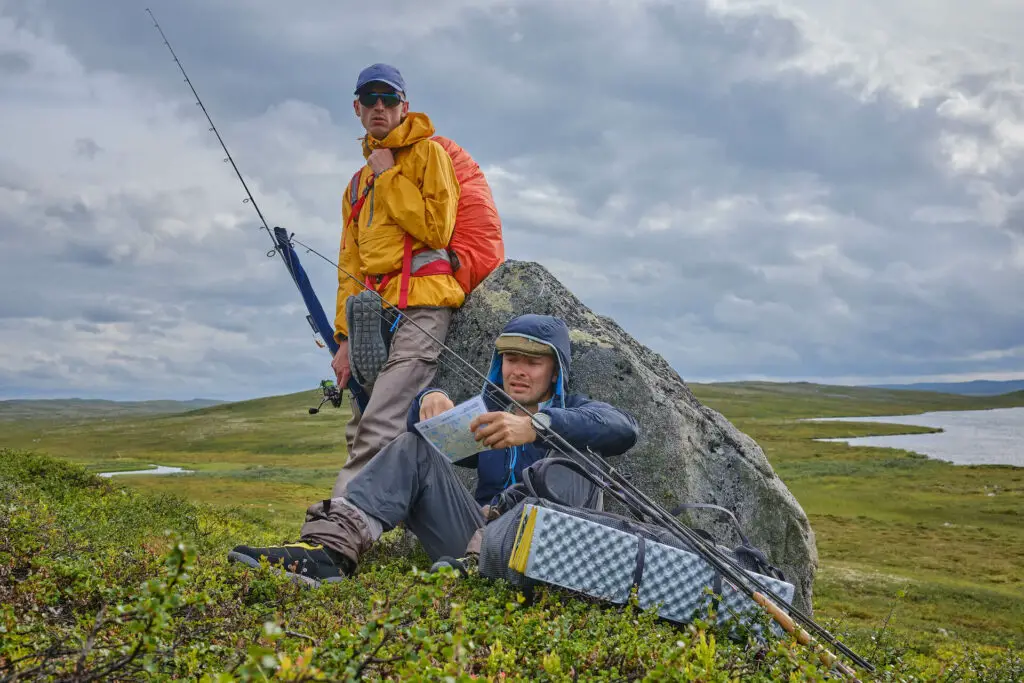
point(84, 409)
point(801, 399)
point(978, 387)
point(929, 549)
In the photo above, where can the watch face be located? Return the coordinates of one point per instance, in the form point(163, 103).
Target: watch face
point(544, 419)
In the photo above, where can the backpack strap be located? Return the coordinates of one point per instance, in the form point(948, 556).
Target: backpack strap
point(356, 200)
point(708, 506)
point(752, 556)
point(535, 477)
point(535, 480)
point(353, 188)
point(755, 557)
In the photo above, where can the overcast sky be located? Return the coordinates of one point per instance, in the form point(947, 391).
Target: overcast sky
point(782, 189)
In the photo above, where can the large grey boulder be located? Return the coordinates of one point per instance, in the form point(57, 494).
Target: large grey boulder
point(687, 452)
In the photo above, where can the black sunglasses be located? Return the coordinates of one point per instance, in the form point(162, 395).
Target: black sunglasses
point(390, 99)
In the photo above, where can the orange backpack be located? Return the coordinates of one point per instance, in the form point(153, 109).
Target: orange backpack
point(476, 246)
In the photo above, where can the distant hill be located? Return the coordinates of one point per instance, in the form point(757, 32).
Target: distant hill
point(82, 408)
point(978, 387)
point(805, 399)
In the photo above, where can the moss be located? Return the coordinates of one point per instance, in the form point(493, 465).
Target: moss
point(99, 581)
point(498, 301)
point(581, 337)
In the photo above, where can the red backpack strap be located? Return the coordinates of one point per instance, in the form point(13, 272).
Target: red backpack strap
point(379, 282)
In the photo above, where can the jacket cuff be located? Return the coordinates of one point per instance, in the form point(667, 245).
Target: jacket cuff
point(387, 176)
point(413, 416)
point(431, 390)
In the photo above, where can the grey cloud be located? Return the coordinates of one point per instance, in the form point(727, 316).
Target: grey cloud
point(217, 358)
point(88, 254)
point(26, 304)
point(15, 63)
point(88, 328)
point(1014, 221)
point(75, 214)
point(107, 314)
point(690, 81)
point(87, 148)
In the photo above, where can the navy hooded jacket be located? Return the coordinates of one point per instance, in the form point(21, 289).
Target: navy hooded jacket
point(581, 421)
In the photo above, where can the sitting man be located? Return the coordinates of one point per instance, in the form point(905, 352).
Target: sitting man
point(410, 481)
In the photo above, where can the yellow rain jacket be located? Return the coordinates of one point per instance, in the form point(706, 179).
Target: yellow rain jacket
point(418, 196)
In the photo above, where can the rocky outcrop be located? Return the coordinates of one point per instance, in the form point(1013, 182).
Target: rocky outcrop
point(687, 452)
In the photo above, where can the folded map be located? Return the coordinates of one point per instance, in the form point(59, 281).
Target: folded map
point(449, 432)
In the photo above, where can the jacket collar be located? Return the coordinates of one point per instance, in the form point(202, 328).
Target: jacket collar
point(414, 128)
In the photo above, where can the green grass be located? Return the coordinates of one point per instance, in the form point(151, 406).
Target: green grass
point(101, 582)
point(92, 588)
point(931, 550)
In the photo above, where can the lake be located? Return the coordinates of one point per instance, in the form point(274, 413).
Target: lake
point(971, 437)
point(155, 469)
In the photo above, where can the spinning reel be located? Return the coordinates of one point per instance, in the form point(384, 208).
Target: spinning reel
point(331, 393)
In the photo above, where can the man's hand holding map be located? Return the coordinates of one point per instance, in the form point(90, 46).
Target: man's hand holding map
point(468, 429)
point(450, 432)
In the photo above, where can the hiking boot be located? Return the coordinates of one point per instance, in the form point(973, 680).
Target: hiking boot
point(463, 565)
point(302, 562)
point(367, 345)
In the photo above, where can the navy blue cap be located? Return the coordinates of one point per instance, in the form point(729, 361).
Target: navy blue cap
point(382, 73)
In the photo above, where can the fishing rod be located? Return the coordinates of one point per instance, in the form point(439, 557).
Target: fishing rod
point(316, 317)
point(606, 476)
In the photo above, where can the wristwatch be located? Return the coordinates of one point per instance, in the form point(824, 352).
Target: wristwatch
point(544, 419)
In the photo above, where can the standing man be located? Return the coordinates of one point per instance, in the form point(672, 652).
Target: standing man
point(398, 218)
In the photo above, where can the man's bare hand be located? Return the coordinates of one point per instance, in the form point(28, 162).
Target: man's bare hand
point(500, 430)
point(433, 404)
point(380, 160)
point(340, 365)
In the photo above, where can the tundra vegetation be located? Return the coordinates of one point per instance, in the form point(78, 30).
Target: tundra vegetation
point(125, 578)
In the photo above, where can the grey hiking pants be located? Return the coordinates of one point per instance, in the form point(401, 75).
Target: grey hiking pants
point(408, 481)
point(410, 368)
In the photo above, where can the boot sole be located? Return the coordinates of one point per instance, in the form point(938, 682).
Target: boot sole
point(366, 344)
point(299, 579)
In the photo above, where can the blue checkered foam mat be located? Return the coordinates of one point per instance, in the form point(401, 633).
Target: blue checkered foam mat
point(590, 558)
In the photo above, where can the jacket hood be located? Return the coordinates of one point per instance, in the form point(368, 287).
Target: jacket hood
point(414, 128)
point(547, 330)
